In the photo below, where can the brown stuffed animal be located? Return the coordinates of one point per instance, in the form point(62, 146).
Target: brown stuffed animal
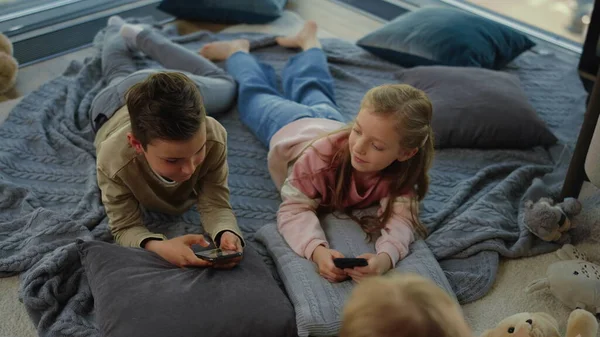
point(9, 68)
point(540, 324)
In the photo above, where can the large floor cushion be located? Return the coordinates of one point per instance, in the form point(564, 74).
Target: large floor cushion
point(479, 108)
point(317, 302)
point(137, 293)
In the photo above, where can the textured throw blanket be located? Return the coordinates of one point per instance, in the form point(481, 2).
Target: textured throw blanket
point(49, 196)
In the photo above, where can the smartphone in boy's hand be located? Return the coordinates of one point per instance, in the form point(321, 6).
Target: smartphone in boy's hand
point(218, 255)
point(226, 255)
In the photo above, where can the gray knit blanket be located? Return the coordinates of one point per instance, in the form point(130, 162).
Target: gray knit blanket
point(49, 197)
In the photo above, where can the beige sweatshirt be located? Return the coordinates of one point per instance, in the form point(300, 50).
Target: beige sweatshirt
point(127, 183)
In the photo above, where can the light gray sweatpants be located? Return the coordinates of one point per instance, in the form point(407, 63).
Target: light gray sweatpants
point(218, 89)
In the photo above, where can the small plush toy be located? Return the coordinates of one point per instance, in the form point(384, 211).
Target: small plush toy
point(8, 68)
point(550, 221)
point(540, 324)
point(574, 281)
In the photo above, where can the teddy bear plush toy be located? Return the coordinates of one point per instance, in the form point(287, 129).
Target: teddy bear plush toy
point(540, 324)
point(9, 68)
point(574, 281)
point(550, 221)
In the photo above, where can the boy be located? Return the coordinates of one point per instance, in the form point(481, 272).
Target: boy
point(159, 150)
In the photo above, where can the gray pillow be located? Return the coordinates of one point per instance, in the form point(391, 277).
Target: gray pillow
point(478, 108)
point(319, 303)
point(137, 293)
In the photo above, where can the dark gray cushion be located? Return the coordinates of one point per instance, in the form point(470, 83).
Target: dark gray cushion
point(478, 108)
point(225, 11)
point(137, 293)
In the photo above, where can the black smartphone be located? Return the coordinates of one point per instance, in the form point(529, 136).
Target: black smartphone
point(217, 255)
point(350, 262)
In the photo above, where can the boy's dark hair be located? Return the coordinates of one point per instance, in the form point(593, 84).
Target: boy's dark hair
point(166, 105)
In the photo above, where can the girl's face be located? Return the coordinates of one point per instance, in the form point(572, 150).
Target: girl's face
point(375, 143)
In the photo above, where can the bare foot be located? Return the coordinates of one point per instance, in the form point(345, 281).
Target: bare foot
point(305, 39)
point(220, 51)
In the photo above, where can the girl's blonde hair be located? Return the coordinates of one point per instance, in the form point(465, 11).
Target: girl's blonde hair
point(402, 305)
point(412, 110)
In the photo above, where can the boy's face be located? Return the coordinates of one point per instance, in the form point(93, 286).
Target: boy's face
point(174, 160)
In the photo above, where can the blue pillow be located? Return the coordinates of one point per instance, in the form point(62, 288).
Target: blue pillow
point(446, 36)
point(225, 11)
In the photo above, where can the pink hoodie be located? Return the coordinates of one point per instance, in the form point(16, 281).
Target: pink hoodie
point(310, 180)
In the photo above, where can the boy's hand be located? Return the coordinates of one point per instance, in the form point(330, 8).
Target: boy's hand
point(378, 265)
point(230, 241)
point(178, 250)
point(323, 257)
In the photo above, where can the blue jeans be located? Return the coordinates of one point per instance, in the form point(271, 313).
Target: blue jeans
point(307, 85)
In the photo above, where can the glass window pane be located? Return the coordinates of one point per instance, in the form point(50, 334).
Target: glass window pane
point(564, 19)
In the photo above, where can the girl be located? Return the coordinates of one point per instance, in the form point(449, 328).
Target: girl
point(402, 305)
point(382, 156)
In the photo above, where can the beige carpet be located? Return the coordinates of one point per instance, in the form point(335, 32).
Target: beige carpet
point(506, 298)
point(14, 321)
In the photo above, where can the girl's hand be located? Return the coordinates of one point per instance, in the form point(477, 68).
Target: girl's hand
point(230, 241)
point(323, 257)
point(378, 265)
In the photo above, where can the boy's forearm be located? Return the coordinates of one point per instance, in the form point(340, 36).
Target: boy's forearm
point(123, 211)
point(126, 224)
point(213, 201)
point(219, 220)
point(134, 236)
